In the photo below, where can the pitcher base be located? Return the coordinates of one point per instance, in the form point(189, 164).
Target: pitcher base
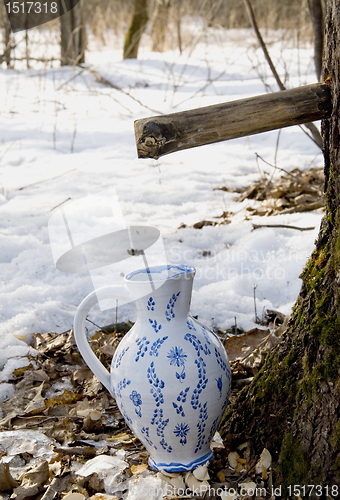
point(178, 467)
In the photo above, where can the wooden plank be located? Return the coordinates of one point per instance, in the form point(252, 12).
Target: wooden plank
point(160, 135)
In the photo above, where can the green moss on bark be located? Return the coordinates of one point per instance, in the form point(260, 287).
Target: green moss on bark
point(291, 377)
point(294, 465)
point(335, 437)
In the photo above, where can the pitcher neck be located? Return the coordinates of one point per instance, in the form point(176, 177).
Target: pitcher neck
point(167, 303)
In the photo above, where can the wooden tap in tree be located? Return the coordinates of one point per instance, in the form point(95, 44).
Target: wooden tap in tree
point(160, 135)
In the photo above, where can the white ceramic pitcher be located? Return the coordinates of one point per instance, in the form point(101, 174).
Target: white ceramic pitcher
point(170, 375)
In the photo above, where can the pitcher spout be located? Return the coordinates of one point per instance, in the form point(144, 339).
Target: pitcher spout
point(167, 287)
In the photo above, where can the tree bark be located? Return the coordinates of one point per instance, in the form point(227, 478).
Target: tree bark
point(73, 35)
point(292, 406)
point(136, 29)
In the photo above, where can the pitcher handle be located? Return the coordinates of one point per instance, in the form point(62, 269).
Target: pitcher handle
point(107, 292)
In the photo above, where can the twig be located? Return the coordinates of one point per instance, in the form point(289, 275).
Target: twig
point(247, 472)
point(284, 226)
point(210, 81)
point(87, 319)
point(7, 149)
point(101, 328)
point(33, 417)
point(277, 147)
point(73, 136)
point(37, 59)
point(70, 79)
point(316, 136)
point(8, 48)
point(60, 204)
point(107, 82)
point(256, 317)
point(45, 180)
point(66, 331)
point(262, 44)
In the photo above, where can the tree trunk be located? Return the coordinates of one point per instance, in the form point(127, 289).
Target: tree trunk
point(178, 22)
point(317, 14)
point(136, 29)
point(73, 36)
point(7, 52)
point(160, 25)
point(292, 406)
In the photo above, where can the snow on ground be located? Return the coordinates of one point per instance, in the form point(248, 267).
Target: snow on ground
point(64, 137)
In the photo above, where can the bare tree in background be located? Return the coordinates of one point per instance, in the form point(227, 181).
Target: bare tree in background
point(136, 29)
point(317, 13)
point(178, 23)
point(73, 35)
point(7, 52)
point(160, 25)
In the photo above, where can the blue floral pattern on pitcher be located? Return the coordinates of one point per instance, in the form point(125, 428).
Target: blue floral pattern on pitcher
point(156, 345)
point(190, 324)
point(169, 312)
point(213, 429)
point(157, 385)
point(179, 409)
point(154, 325)
point(142, 347)
point(181, 398)
point(137, 401)
point(151, 304)
point(219, 385)
point(181, 431)
point(119, 358)
point(203, 417)
point(145, 432)
point(220, 360)
point(177, 357)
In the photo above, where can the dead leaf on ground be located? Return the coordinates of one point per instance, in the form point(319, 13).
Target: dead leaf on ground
point(297, 191)
point(7, 482)
point(247, 352)
point(32, 481)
